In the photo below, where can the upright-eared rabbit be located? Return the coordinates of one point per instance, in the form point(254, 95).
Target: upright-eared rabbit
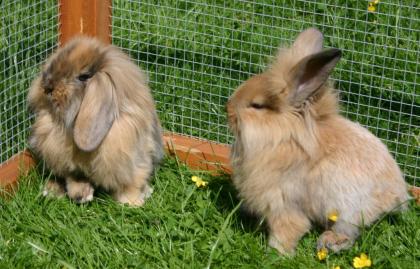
point(95, 122)
point(296, 160)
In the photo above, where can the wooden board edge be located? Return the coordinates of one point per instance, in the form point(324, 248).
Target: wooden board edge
point(199, 154)
point(415, 192)
point(10, 171)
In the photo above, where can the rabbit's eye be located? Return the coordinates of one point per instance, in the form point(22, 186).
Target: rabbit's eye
point(85, 76)
point(257, 106)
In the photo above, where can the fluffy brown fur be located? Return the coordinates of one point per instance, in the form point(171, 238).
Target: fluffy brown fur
point(296, 160)
point(96, 124)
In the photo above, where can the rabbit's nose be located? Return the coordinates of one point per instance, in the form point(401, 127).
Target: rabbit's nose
point(48, 90)
point(46, 83)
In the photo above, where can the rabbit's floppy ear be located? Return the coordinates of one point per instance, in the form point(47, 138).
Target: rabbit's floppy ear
point(308, 42)
point(310, 73)
point(96, 114)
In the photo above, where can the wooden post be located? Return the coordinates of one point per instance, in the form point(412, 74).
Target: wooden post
point(85, 17)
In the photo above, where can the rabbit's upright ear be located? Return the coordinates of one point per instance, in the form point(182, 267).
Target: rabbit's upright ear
point(308, 42)
point(97, 113)
point(310, 73)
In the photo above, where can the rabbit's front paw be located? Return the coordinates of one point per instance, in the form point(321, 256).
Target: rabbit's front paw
point(334, 241)
point(131, 200)
point(80, 191)
point(54, 189)
point(275, 243)
point(133, 196)
point(147, 192)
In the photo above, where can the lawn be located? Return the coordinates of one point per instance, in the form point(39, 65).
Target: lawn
point(195, 54)
point(181, 226)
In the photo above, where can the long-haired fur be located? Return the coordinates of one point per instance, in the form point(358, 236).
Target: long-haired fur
point(95, 121)
point(296, 160)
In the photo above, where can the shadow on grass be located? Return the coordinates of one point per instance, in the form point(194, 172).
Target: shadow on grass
point(225, 198)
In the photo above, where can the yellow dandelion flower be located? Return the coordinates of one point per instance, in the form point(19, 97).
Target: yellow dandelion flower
point(199, 182)
point(372, 5)
point(322, 254)
point(333, 216)
point(336, 267)
point(362, 261)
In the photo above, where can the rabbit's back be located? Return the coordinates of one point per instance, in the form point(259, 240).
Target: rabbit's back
point(354, 174)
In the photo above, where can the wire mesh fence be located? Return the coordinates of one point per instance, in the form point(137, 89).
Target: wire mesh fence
point(197, 52)
point(28, 35)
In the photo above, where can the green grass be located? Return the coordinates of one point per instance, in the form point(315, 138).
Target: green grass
point(181, 226)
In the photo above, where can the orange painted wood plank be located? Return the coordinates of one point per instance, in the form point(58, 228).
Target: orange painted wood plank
point(199, 154)
point(16, 166)
point(85, 17)
point(415, 192)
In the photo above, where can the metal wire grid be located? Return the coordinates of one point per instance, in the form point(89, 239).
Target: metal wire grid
point(28, 36)
point(197, 52)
